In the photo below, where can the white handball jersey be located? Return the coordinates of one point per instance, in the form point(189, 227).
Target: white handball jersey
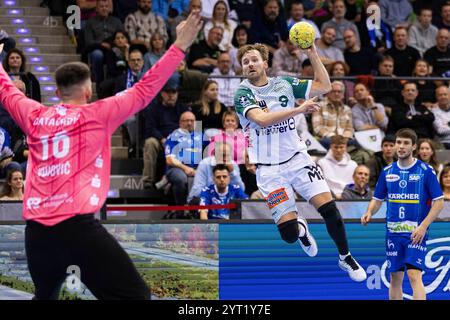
point(279, 142)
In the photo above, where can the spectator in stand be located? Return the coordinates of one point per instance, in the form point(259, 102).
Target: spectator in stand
point(381, 159)
point(240, 38)
point(220, 18)
point(221, 192)
point(334, 117)
point(340, 24)
point(422, 34)
point(269, 26)
point(6, 155)
point(337, 166)
point(15, 65)
point(203, 55)
point(307, 69)
point(208, 10)
point(410, 114)
point(441, 113)
point(387, 91)
point(317, 10)
point(439, 56)
point(445, 15)
point(444, 181)
point(204, 174)
point(156, 50)
point(13, 186)
point(245, 10)
point(341, 69)
point(298, 15)
point(191, 83)
point(143, 23)
point(359, 189)
point(367, 114)
point(404, 56)
point(426, 152)
point(395, 12)
point(183, 149)
point(193, 5)
point(227, 86)
point(360, 60)
point(98, 31)
point(8, 43)
point(161, 119)
point(287, 60)
point(209, 110)
point(117, 58)
point(426, 88)
point(328, 53)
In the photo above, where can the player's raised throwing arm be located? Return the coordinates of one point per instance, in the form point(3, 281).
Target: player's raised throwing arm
point(321, 83)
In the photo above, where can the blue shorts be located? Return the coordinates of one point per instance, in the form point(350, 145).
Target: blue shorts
point(400, 252)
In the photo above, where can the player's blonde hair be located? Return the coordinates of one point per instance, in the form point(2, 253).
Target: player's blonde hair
point(261, 48)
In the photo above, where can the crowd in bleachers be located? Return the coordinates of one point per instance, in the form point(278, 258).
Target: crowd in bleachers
point(122, 39)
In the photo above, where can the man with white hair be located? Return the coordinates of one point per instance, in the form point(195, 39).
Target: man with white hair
point(442, 115)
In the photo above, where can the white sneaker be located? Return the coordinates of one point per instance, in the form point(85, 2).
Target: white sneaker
point(307, 242)
point(354, 269)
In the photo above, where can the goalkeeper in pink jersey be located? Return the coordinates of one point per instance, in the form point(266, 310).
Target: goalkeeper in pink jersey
point(68, 174)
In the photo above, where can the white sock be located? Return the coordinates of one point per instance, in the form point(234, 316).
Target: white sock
point(342, 257)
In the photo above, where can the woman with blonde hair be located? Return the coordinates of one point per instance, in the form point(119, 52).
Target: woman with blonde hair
point(13, 186)
point(426, 88)
point(220, 19)
point(209, 110)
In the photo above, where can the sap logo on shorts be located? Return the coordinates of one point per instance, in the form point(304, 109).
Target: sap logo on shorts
point(414, 177)
point(276, 197)
point(392, 177)
point(33, 203)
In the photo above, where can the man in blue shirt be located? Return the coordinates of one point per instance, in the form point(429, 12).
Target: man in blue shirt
point(221, 192)
point(414, 200)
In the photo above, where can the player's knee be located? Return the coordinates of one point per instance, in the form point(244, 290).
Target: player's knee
point(289, 230)
point(329, 211)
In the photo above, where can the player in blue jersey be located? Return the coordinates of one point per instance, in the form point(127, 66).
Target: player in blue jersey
point(414, 200)
point(221, 192)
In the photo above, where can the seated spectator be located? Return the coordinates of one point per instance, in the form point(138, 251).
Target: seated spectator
point(240, 38)
point(203, 55)
point(426, 88)
point(445, 17)
point(191, 83)
point(422, 34)
point(227, 86)
point(444, 181)
point(269, 26)
point(359, 189)
point(340, 24)
point(326, 50)
point(156, 50)
point(298, 15)
point(395, 12)
point(360, 60)
point(174, 22)
point(220, 19)
point(204, 175)
point(317, 10)
point(426, 152)
point(341, 69)
point(245, 10)
point(8, 42)
point(117, 57)
point(386, 92)
point(21, 152)
point(381, 159)
point(367, 114)
point(13, 186)
point(221, 192)
point(161, 119)
point(404, 56)
point(143, 23)
point(307, 69)
point(6, 155)
point(287, 60)
point(208, 10)
point(337, 166)
point(441, 113)
point(209, 110)
point(334, 117)
point(183, 149)
point(439, 56)
point(410, 114)
point(98, 31)
point(15, 65)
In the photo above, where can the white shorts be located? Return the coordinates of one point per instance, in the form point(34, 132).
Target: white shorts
point(278, 182)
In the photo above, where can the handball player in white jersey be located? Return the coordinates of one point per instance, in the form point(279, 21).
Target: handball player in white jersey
point(266, 110)
point(68, 174)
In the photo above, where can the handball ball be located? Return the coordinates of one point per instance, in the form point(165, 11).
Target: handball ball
point(302, 35)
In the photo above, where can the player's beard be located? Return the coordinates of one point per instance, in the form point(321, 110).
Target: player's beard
point(405, 156)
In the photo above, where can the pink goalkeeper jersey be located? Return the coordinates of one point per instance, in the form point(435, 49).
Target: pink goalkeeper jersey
point(70, 145)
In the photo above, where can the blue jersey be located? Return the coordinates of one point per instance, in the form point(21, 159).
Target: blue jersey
point(209, 195)
point(409, 192)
